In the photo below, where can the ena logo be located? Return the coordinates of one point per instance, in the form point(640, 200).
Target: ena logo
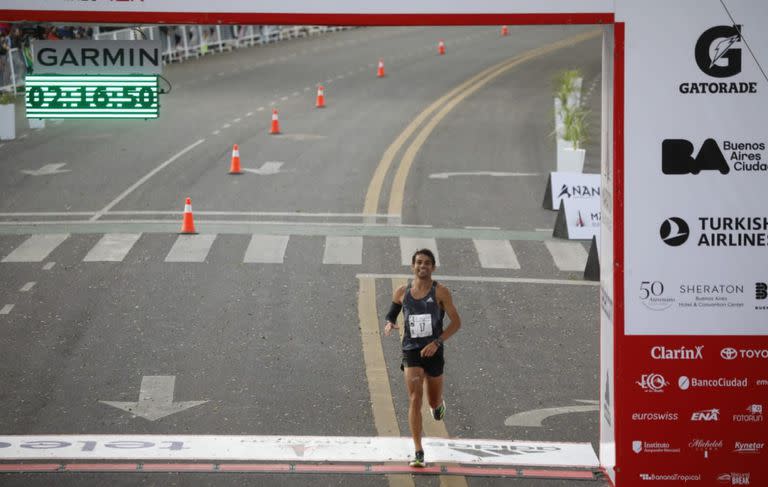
point(706, 415)
point(715, 54)
point(677, 157)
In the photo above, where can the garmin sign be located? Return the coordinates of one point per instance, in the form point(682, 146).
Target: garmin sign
point(97, 57)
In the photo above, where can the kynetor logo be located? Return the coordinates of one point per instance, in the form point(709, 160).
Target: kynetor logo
point(677, 157)
point(674, 231)
point(716, 51)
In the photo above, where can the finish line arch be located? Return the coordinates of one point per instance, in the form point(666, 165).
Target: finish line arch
point(684, 321)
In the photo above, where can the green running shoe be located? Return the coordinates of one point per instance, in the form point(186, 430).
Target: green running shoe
point(439, 412)
point(418, 460)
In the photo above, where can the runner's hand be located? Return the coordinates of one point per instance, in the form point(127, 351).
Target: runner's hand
point(389, 327)
point(429, 350)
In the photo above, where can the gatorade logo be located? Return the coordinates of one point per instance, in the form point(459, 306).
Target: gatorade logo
point(715, 54)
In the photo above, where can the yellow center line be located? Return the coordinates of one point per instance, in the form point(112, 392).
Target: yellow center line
point(376, 370)
point(397, 192)
point(373, 194)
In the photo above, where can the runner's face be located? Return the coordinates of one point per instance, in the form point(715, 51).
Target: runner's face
point(423, 267)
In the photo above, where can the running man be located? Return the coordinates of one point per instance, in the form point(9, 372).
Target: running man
point(424, 303)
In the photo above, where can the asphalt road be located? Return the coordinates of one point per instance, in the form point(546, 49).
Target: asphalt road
point(279, 348)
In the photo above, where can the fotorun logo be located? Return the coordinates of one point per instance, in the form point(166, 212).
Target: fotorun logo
point(677, 156)
point(674, 231)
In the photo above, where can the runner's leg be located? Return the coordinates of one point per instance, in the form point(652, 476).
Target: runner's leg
point(414, 380)
point(434, 388)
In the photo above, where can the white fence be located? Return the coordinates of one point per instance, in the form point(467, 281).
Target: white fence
point(180, 42)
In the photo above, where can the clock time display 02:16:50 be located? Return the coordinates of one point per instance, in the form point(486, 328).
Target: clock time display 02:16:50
point(92, 97)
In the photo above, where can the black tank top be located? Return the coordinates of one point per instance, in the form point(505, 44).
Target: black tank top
point(423, 319)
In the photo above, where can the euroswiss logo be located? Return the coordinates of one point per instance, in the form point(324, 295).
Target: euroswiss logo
point(665, 416)
point(663, 353)
point(734, 478)
point(674, 231)
point(677, 157)
point(652, 382)
point(709, 415)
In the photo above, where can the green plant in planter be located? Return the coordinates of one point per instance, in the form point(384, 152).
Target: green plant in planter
point(575, 125)
point(565, 84)
point(7, 98)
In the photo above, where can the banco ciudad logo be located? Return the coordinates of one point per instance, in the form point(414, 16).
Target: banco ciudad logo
point(674, 231)
point(677, 157)
point(715, 53)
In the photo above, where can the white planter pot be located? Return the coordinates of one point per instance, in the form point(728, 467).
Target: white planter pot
point(7, 122)
point(36, 123)
point(570, 159)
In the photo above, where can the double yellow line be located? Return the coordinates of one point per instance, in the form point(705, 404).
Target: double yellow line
point(385, 418)
point(442, 106)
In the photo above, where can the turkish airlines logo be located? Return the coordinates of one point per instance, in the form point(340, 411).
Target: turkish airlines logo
point(674, 231)
point(715, 53)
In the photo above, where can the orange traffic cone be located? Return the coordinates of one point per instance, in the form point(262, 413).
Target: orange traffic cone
point(275, 123)
point(188, 224)
point(320, 97)
point(441, 47)
point(235, 167)
point(380, 70)
point(504, 30)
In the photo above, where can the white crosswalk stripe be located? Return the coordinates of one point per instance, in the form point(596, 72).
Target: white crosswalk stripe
point(496, 254)
point(568, 256)
point(191, 248)
point(266, 249)
point(343, 250)
point(409, 245)
point(36, 248)
point(113, 247)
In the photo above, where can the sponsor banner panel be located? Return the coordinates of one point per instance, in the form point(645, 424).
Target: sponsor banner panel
point(97, 57)
point(292, 449)
point(696, 166)
point(582, 218)
point(697, 406)
point(574, 186)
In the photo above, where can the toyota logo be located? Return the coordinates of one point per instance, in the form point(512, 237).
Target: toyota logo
point(728, 353)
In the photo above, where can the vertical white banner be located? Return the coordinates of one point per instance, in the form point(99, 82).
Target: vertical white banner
point(696, 163)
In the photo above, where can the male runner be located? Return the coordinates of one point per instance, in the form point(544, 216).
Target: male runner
point(424, 303)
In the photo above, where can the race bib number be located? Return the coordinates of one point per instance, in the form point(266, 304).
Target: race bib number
point(420, 326)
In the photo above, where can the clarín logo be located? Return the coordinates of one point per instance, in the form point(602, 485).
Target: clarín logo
point(677, 157)
point(674, 231)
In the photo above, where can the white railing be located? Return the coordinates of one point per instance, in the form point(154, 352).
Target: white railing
point(180, 42)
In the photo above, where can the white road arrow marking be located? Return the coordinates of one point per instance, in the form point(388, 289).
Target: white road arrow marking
point(446, 175)
point(155, 399)
point(47, 170)
point(266, 169)
point(534, 417)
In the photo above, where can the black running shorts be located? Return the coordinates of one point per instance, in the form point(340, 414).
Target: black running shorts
point(433, 366)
